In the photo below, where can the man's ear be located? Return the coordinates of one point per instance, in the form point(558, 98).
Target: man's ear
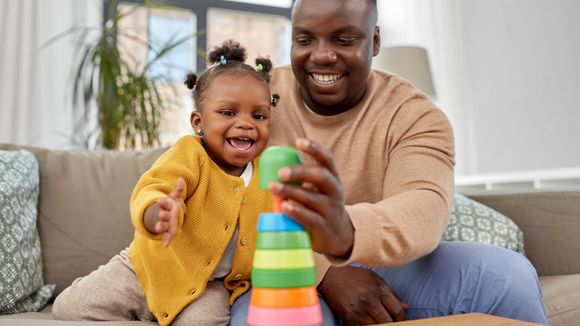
point(195, 121)
point(376, 41)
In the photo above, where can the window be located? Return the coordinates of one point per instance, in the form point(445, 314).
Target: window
point(169, 26)
point(275, 3)
point(262, 26)
point(261, 34)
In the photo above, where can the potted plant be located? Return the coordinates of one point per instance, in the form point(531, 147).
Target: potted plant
point(120, 102)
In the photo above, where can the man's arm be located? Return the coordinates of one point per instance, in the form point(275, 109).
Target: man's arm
point(405, 225)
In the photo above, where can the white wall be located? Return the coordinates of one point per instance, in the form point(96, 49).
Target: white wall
point(522, 72)
point(506, 73)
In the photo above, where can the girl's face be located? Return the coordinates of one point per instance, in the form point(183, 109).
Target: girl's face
point(235, 120)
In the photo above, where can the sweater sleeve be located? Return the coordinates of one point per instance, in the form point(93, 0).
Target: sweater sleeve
point(183, 159)
point(417, 191)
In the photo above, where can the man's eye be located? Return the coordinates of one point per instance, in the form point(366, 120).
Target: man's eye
point(228, 113)
point(302, 41)
point(259, 116)
point(346, 41)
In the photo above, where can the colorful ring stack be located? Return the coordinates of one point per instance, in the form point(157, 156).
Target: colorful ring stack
point(283, 274)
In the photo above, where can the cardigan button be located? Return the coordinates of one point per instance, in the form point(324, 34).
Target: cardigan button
point(192, 292)
point(238, 276)
point(244, 241)
point(237, 188)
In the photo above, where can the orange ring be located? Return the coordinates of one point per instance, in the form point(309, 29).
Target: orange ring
point(277, 298)
point(277, 203)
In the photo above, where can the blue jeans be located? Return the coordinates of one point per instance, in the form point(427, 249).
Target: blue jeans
point(457, 277)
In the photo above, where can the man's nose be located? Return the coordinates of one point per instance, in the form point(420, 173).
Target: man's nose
point(323, 54)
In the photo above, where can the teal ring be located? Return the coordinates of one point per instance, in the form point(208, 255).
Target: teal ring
point(277, 222)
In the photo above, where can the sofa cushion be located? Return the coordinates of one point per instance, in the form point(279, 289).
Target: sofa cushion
point(83, 208)
point(562, 298)
point(21, 283)
point(475, 222)
point(45, 318)
point(549, 220)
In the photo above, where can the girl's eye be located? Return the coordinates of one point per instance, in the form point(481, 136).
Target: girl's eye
point(228, 113)
point(259, 116)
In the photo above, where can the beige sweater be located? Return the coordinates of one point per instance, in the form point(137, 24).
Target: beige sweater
point(395, 156)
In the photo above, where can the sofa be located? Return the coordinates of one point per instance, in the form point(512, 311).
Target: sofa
point(83, 221)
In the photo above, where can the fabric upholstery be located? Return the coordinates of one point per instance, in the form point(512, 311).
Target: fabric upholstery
point(550, 221)
point(562, 298)
point(475, 222)
point(22, 287)
point(83, 209)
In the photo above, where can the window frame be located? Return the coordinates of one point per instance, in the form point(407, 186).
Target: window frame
point(200, 8)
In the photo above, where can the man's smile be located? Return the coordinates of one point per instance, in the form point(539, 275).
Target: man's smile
point(325, 79)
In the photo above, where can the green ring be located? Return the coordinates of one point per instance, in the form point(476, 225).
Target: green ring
point(281, 259)
point(273, 159)
point(283, 240)
point(288, 278)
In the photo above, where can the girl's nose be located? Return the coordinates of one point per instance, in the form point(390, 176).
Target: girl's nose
point(244, 123)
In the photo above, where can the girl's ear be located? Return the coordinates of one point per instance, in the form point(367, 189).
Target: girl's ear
point(195, 120)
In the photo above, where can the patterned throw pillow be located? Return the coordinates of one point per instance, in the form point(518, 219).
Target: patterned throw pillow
point(475, 222)
point(22, 288)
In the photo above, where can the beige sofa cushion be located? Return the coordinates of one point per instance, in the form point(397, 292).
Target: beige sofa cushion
point(551, 225)
point(83, 208)
point(45, 318)
point(562, 298)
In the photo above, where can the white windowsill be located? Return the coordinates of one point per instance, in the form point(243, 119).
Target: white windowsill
point(533, 179)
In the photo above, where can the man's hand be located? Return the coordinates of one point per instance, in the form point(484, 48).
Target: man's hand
point(162, 217)
point(360, 297)
point(319, 204)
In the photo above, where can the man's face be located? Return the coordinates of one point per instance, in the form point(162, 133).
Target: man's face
point(333, 42)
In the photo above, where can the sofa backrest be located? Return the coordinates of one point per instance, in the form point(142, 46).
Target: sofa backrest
point(550, 220)
point(83, 207)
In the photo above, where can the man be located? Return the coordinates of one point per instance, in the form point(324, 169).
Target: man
point(380, 192)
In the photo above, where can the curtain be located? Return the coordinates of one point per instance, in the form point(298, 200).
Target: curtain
point(35, 77)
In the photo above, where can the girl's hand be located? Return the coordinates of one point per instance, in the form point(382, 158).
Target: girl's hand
point(319, 204)
point(162, 217)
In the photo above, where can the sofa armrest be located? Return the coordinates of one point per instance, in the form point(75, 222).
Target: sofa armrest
point(550, 221)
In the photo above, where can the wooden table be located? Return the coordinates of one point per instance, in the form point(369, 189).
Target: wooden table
point(471, 319)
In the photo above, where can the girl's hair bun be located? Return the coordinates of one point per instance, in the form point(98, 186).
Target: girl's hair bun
point(230, 57)
point(190, 80)
point(265, 62)
point(275, 98)
point(230, 50)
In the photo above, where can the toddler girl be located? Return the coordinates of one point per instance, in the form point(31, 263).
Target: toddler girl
point(195, 210)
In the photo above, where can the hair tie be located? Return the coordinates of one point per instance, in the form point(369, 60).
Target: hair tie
point(259, 68)
point(223, 60)
point(274, 99)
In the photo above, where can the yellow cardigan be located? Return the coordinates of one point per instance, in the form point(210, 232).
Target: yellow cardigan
point(174, 276)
